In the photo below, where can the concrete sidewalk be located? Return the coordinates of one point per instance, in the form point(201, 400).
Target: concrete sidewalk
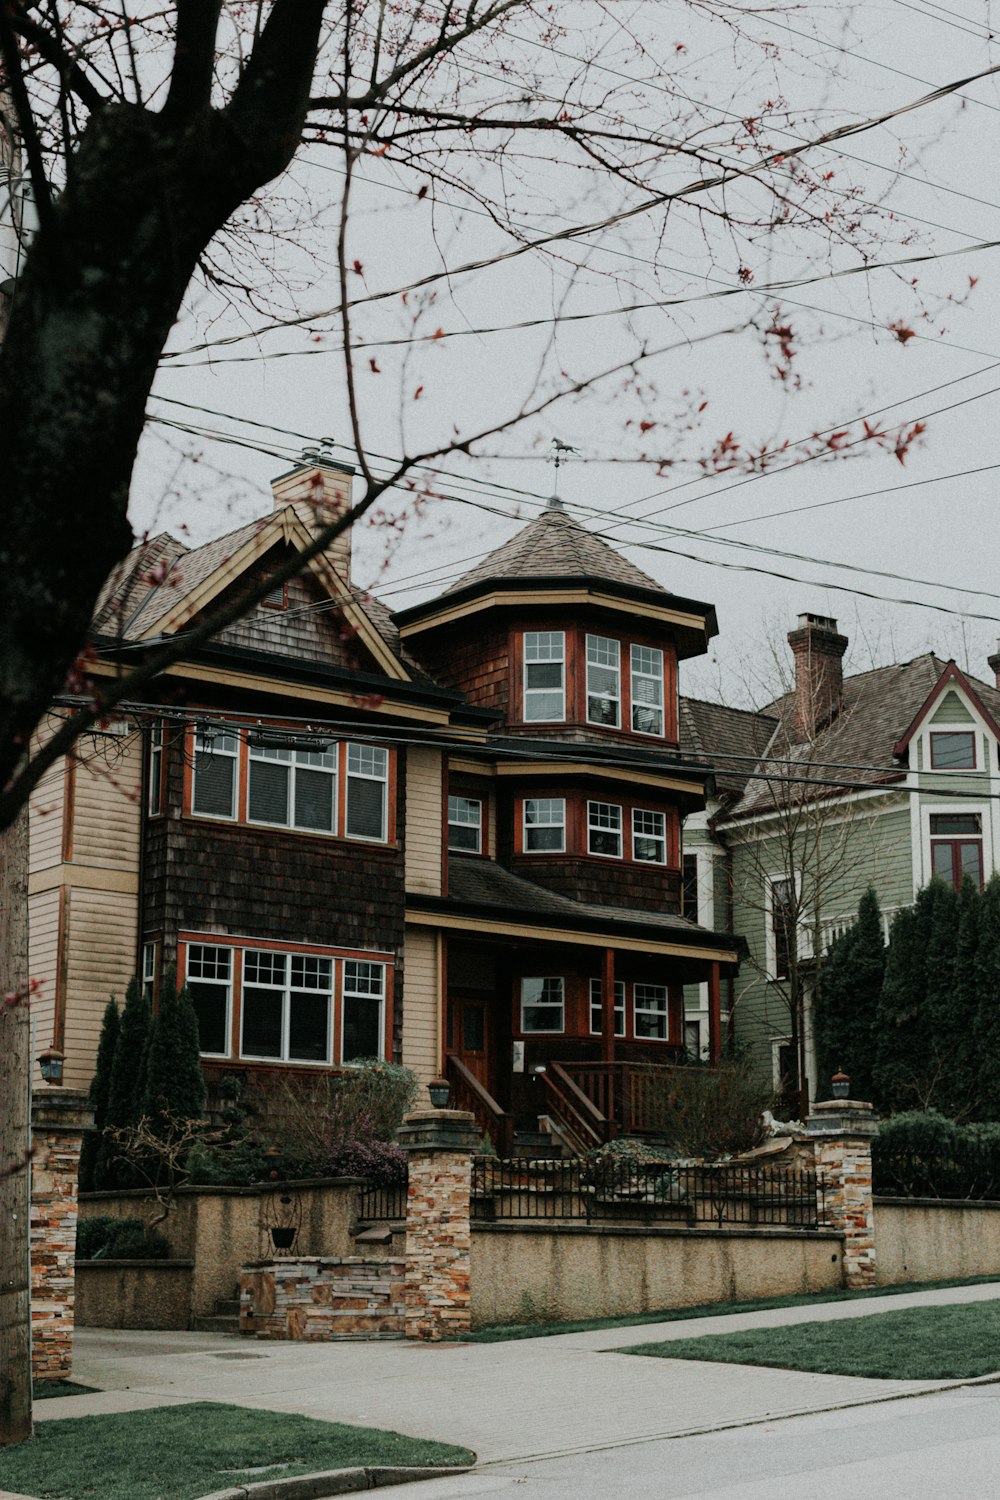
point(524, 1399)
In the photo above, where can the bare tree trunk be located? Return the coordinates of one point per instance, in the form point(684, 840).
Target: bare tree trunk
point(15, 1124)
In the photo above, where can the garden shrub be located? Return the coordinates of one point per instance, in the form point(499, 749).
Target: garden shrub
point(923, 1132)
point(318, 1125)
point(108, 1238)
point(706, 1113)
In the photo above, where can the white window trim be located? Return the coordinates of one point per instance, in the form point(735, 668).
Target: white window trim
point(645, 1010)
point(293, 767)
point(649, 733)
point(231, 755)
point(615, 698)
point(208, 942)
point(777, 1042)
point(349, 775)
point(546, 1030)
point(286, 1010)
point(453, 823)
point(976, 732)
point(927, 810)
point(596, 987)
point(662, 838)
point(594, 853)
point(559, 718)
point(355, 995)
point(154, 788)
point(525, 825)
point(770, 951)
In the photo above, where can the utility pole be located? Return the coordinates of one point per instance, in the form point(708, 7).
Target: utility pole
point(15, 1016)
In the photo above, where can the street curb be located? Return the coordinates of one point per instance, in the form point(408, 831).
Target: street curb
point(333, 1482)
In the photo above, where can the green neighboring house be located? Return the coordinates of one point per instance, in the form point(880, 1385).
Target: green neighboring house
point(880, 779)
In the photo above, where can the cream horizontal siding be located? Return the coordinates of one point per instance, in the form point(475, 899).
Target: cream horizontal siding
point(424, 818)
point(421, 1004)
point(106, 803)
point(100, 960)
point(43, 963)
point(46, 819)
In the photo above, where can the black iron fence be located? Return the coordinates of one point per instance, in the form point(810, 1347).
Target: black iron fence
point(969, 1170)
point(382, 1202)
point(604, 1189)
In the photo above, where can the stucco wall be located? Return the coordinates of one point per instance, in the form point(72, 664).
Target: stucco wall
point(221, 1229)
point(133, 1293)
point(541, 1273)
point(930, 1239)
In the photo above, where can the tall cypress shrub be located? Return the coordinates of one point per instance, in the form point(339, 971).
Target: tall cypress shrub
point(899, 1035)
point(97, 1097)
point(987, 1019)
point(849, 988)
point(962, 1099)
point(175, 1087)
point(127, 1086)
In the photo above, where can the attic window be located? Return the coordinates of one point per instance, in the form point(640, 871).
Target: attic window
point(953, 750)
point(277, 598)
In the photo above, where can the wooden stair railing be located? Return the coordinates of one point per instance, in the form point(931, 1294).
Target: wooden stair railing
point(571, 1107)
point(470, 1094)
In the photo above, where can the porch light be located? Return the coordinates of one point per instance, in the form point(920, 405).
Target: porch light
point(841, 1086)
point(50, 1063)
point(440, 1091)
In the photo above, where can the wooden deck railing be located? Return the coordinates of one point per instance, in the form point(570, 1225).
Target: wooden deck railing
point(629, 1096)
point(469, 1093)
point(579, 1116)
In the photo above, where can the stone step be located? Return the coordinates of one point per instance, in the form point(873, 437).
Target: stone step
point(216, 1323)
point(227, 1307)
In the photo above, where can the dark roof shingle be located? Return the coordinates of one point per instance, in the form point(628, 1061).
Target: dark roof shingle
point(554, 545)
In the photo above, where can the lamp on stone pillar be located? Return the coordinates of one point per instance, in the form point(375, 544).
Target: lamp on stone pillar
point(50, 1065)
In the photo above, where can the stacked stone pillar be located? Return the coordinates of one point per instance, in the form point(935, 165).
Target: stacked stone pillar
point(59, 1120)
point(842, 1131)
point(437, 1298)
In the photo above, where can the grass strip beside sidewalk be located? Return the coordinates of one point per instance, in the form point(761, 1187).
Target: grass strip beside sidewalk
point(183, 1452)
point(959, 1341)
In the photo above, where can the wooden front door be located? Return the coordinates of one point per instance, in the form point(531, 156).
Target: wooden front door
point(469, 1035)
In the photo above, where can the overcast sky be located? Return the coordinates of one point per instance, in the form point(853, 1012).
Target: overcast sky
point(933, 173)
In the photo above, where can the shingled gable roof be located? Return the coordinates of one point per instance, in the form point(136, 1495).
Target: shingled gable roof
point(554, 545)
point(159, 574)
point(860, 744)
point(729, 740)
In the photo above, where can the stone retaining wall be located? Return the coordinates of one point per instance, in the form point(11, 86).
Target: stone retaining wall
point(935, 1239)
point(133, 1293)
point(319, 1298)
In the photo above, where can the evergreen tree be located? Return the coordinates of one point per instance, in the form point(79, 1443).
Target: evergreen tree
point(987, 1019)
point(962, 1101)
point(899, 1036)
point(100, 1086)
point(849, 989)
point(175, 1086)
point(127, 1086)
point(937, 1011)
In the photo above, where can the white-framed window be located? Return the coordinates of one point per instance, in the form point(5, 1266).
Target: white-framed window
point(544, 825)
point(154, 790)
point(604, 681)
point(649, 836)
point(148, 979)
point(465, 825)
point(542, 1005)
point(953, 749)
point(209, 978)
point(604, 829)
point(544, 676)
point(215, 775)
point(647, 690)
point(692, 1038)
point(363, 1010)
point(287, 1007)
point(291, 788)
point(596, 989)
point(367, 792)
point(957, 847)
point(782, 928)
point(649, 1011)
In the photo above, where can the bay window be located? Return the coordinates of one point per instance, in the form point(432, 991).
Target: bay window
point(544, 676)
point(603, 681)
point(542, 1005)
point(210, 984)
point(215, 775)
point(363, 1010)
point(544, 825)
point(596, 991)
point(649, 836)
point(465, 825)
point(647, 690)
point(649, 1011)
point(604, 829)
point(287, 1003)
point(367, 787)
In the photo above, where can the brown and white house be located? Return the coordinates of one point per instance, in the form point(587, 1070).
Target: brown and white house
point(450, 837)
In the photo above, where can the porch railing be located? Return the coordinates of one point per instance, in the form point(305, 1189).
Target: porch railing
point(630, 1097)
point(468, 1093)
point(603, 1189)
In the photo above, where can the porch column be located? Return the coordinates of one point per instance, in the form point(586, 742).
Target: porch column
point(675, 1013)
point(608, 1007)
point(714, 1017)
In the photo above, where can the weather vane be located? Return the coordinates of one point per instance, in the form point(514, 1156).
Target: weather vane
point(558, 449)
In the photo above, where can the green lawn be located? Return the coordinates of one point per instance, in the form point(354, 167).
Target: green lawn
point(181, 1452)
point(957, 1342)
point(502, 1332)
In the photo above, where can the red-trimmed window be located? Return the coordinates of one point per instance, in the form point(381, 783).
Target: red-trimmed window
point(953, 750)
point(647, 690)
point(543, 1005)
point(288, 1004)
point(599, 829)
point(604, 681)
point(607, 681)
point(544, 676)
point(957, 847)
point(596, 992)
point(544, 828)
point(465, 825)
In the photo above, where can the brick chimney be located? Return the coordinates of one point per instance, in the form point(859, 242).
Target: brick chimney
point(994, 662)
point(819, 673)
point(319, 487)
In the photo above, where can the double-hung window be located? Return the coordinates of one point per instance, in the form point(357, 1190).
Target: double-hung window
point(363, 1010)
point(782, 926)
point(367, 792)
point(604, 691)
point(154, 791)
point(291, 788)
point(604, 829)
point(544, 676)
point(649, 1011)
point(544, 825)
point(287, 1006)
point(210, 985)
point(595, 1007)
point(216, 764)
point(647, 690)
point(649, 836)
point(542, 1005)
point(465, 825)
point(957, 847)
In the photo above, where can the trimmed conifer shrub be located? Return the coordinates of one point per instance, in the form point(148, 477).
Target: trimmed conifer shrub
point(175, 1086)
point(849, 989)
point(127, 1087)
point(100, 1086)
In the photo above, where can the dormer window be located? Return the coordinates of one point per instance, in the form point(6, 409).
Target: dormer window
point(465, 825)
point(953, 750)
point(604, 691)
point(647, 690)
point(544, 676)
